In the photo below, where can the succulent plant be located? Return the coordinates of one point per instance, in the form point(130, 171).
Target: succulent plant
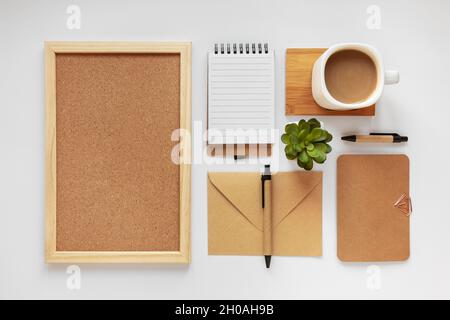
point(307, 142)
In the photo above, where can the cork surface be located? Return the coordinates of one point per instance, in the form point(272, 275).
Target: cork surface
point(117, 188)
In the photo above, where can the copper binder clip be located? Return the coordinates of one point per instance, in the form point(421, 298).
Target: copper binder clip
point(404, 204)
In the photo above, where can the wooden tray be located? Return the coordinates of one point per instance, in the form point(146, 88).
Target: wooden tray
point(299, 99)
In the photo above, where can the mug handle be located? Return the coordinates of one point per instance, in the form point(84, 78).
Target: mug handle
point(391, 77)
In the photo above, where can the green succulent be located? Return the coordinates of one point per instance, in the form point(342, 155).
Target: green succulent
point(306, 142)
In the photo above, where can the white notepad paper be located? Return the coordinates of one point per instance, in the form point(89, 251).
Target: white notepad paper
point(241, 94)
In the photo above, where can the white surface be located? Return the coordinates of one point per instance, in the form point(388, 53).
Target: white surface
point(414, 38)
point(241, 96)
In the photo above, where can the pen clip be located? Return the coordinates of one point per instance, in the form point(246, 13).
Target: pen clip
point(264, 177)
point(396, 137)
point(384, 134)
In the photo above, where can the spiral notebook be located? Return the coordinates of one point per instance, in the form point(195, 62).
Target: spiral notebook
point(241, 94)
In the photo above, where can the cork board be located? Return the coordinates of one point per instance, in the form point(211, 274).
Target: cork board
point(119, 197)
point(299, 98)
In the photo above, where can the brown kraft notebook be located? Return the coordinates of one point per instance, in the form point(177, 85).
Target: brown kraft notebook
point(373, 208)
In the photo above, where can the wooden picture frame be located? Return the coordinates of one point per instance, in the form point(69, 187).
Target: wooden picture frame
point(51, 253)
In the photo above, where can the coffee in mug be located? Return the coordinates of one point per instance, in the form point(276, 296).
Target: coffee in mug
point(350, 76)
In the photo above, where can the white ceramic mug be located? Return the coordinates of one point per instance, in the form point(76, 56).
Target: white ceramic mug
point(319, 89)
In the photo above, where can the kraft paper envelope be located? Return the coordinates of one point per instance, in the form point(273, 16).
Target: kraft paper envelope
point(235, 215)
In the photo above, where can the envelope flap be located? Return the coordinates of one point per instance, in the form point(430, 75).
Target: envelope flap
point(290, 190)
point(243, 191)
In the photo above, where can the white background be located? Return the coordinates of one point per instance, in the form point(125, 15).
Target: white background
point(414, 38)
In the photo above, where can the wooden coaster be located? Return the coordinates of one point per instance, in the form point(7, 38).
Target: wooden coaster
point(299, 99)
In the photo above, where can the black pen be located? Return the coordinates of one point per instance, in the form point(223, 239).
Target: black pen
point(376, 138)
point(266, 182)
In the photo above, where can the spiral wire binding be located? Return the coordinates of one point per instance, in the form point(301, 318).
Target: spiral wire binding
point(240, 48)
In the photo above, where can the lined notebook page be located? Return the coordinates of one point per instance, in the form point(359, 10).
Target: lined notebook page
point(241, 97)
